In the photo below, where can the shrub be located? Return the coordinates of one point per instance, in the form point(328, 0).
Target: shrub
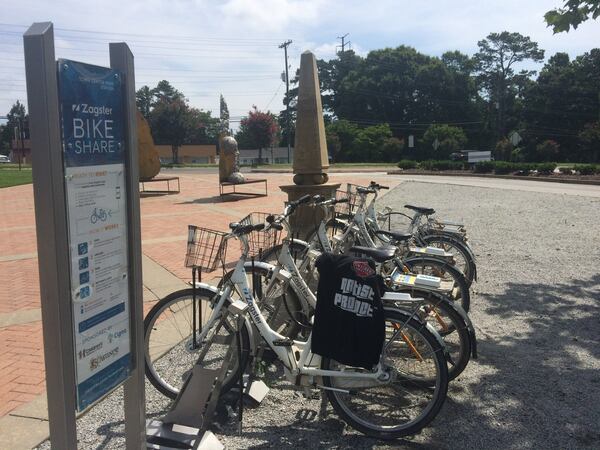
point(407, 164)
point(545, 168)
point(503, 167)
point(432, 164)
point(587, 169)
point(484, 167)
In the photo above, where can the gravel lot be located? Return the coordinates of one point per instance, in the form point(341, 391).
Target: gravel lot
point(536, 309)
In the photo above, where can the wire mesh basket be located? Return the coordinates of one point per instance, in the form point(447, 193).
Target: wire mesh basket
point(206, 248)
point(259, 241)
point(353, 198)
point(342, 209)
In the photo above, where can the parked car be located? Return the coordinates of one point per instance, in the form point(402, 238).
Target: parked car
point(4, 159)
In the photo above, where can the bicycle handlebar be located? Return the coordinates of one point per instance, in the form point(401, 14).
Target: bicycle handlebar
point(377, 186)
point(239, 229)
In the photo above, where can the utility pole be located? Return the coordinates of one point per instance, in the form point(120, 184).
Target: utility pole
point(344, 43)
point(284, 46)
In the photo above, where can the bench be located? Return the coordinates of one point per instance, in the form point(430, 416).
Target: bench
point(224, 185)
point(168, 180)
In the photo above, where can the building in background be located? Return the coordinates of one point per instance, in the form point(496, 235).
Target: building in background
point(189, 154)
point(273, 155)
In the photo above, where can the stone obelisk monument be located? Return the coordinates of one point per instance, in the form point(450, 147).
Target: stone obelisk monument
point(310, 150)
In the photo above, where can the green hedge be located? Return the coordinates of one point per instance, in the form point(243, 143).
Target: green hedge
point(587, 169)
point(498, 167)
point(408, 164)
point(483, 167)
point(432, 164)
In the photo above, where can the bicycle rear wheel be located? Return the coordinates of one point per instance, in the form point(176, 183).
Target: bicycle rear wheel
point(463, 258)
point(170, 350)
point(441, 313)
point(412, 397)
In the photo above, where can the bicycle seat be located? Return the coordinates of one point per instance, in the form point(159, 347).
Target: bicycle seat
point(420, 209)
point(379, 254)
point(399, 237)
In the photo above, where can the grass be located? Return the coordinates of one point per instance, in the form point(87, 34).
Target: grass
point(12, 176)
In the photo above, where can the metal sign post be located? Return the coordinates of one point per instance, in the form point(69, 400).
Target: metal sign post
point(85, 173)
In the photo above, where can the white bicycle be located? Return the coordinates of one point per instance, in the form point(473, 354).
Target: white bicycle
point(398, 397)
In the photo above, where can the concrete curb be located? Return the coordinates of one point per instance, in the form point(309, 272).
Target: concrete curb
point(505, 177)
point(348, 170)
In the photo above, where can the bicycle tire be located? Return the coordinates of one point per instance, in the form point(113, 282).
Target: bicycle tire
point(179, 354)
point(456, 335)
point(445, 242)
point(340, 400)
point(442, 267)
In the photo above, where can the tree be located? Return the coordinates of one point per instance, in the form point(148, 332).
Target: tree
point(548, 150)
point(392, 149)
point(16, 117)
point(498, 53)
point(589, 141)
point(172, 122)
point(572, 14)
point(441, 140)
point(258, 130)
point(144, 99)
point(334, 144)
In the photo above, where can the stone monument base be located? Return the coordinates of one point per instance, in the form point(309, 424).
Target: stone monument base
point(306, 218)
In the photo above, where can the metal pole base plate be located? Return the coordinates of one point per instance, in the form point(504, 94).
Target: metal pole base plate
point(161, 436)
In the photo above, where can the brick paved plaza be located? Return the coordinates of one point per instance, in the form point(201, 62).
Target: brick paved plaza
point(164, 233)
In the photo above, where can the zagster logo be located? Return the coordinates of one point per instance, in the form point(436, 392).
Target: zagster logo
point(362, 269)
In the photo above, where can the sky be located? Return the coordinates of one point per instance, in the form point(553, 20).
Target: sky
point(231, 47)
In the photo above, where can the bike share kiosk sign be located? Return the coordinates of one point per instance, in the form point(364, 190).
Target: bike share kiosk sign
point(91, 109)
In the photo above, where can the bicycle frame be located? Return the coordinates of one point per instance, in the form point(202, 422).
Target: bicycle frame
point(296, 356)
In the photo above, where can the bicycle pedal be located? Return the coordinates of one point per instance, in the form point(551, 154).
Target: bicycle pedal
point(283, 342)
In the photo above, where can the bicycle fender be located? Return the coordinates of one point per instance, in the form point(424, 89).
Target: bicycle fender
point(470, 328)
point(247, 321)
point(406, 317)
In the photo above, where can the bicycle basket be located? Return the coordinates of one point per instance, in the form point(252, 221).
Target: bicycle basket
point(259, 241)
point(206, 248)
point(342, 209)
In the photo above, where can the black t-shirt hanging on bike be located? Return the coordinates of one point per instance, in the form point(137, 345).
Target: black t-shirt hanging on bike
point(349, 324)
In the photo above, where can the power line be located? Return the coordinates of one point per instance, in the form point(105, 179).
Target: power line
point(162, 37)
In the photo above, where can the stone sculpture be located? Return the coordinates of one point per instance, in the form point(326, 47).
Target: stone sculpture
point(310, 149)
point(229, 162)
point(147, 153)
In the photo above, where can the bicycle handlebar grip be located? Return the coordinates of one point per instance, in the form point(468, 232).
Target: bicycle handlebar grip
point(383, 187)
point(341, 200)
point(270, 218)
point(277, 226)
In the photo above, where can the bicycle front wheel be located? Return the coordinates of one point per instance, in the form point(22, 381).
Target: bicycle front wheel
point(172, 345)
point(413, 395)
